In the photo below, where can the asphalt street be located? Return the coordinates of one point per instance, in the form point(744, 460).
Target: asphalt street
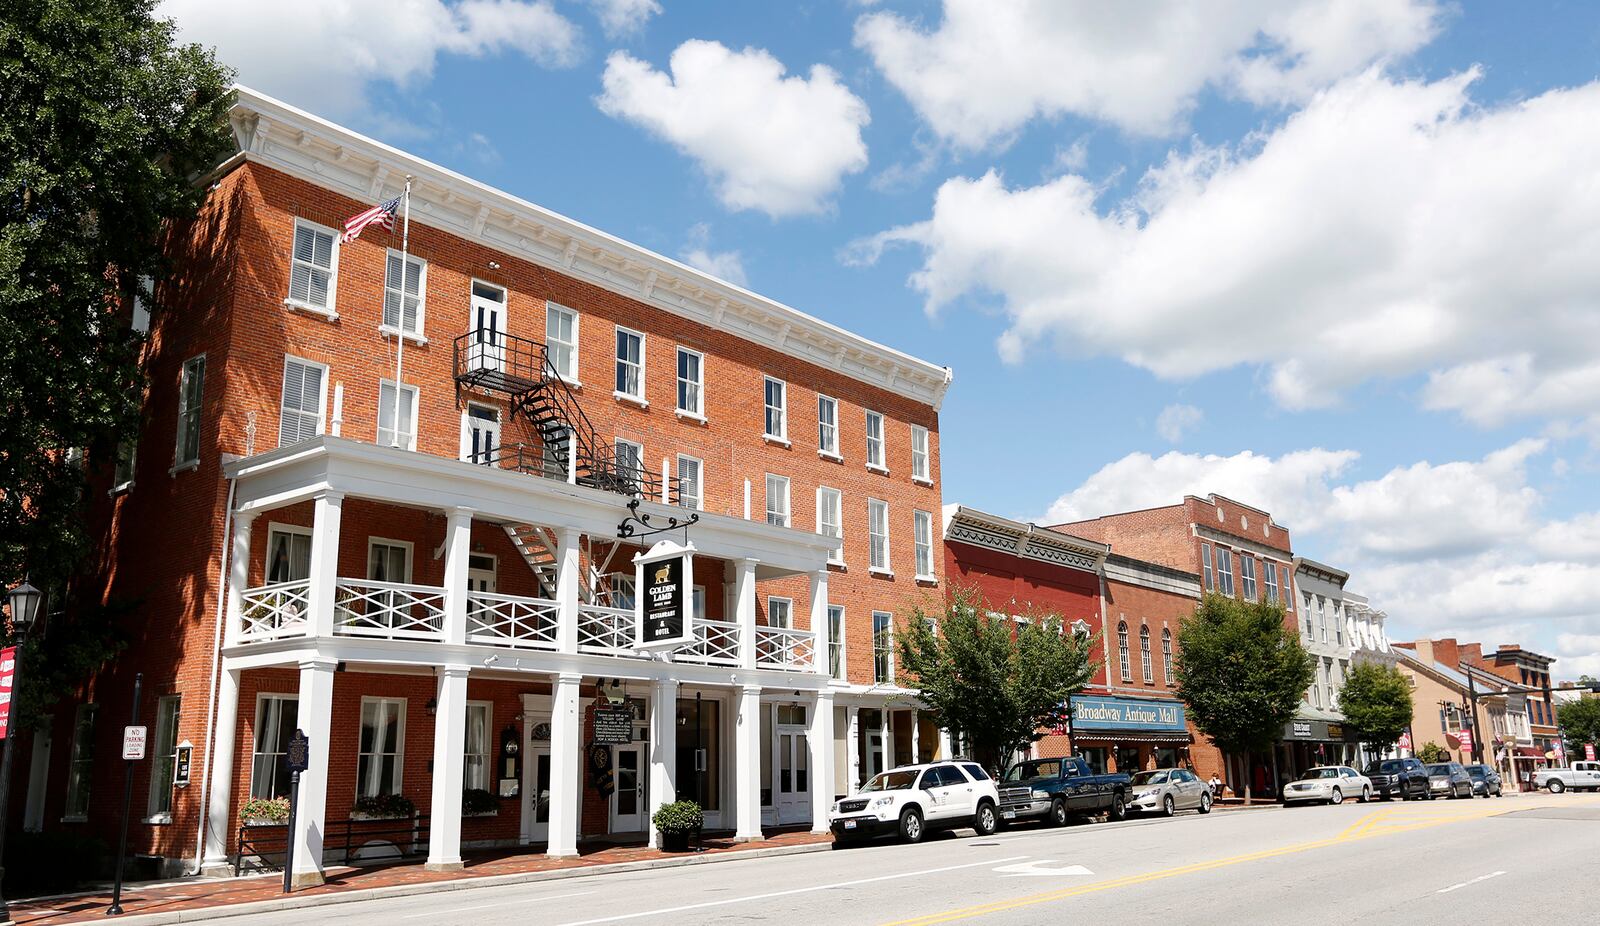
point(1520, 858)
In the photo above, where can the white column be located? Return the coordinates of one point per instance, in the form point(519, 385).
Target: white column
point(886, 739)
point(568, 579)
point(916, 737)
point(946, 750)
point(852, 747)
point(819, 619)
point(329, 509)
point(219, 801)
point(238, 575)
point(457, 546)
point(565, 788)
point(747, 766)
point(820, 739)
point(663, 749)
point(745, 610)
point(449, 765)
point(315, 718)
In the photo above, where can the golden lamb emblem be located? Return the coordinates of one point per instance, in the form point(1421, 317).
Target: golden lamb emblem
point(662, 572)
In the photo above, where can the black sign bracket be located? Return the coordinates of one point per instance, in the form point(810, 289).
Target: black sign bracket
point(626, 530)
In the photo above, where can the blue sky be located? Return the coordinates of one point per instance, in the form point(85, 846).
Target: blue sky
point(1334, 260)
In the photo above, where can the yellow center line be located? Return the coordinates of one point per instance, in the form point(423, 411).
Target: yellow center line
point(1373, 825)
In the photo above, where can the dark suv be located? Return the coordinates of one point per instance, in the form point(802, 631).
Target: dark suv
point(1402, 778)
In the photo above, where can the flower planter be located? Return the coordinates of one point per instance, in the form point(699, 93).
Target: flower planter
point(675, 841)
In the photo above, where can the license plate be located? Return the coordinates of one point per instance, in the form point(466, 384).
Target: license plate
point(849, 824)
point(1008, 814)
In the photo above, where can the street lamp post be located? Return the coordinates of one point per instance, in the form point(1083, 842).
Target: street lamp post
point(24, 602)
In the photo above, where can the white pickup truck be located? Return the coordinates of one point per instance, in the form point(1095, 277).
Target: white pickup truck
point(1580, 776)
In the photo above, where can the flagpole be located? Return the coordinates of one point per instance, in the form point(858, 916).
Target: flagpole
point(400, 314)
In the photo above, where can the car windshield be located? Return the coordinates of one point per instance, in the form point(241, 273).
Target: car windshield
point(1044, 768)
point(1438, 770)
point(1476, 771)
point(1150, 778)
point(891, 781)
point(1321, 773)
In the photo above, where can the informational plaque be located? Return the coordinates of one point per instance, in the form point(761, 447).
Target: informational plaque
point(613, 726)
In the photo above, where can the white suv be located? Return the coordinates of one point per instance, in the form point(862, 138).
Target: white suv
point(911, 799)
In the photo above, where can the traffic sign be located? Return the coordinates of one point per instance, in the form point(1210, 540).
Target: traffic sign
point(133, 740)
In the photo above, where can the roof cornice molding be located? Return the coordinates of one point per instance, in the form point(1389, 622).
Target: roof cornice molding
point(1321, 570)
point(1030, 541)
point(280, 136)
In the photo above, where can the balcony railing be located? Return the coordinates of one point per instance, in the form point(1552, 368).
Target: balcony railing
point(511, 620)
point(714, 642)
point(605, 630)
point(274, 611)
point(783, 648)
point(388, 610)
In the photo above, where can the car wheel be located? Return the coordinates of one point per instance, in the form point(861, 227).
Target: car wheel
point(1168, 806)
point(1205, 803)
point(1119, 807)
point(1058, 812)
point(1556, 787)
point(1366, 794)
point(1337, 798)
point(911, 825)
point(984, 821)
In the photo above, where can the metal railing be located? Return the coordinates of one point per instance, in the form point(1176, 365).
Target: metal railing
point(269, 612)
point(784, 648)
point(266, 845)
point(512, 620)
point(714, 642)
point(388, 610)
point(605, 630)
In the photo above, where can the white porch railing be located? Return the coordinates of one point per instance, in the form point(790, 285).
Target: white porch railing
point(605, 630)
point(714, 642)
point(511, 620)
point(269, 612)
point(389, 610)
point(783, 648)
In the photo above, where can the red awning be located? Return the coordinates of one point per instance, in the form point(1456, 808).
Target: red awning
point(1532, 752)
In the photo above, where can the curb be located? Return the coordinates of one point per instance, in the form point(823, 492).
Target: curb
point(458, 884)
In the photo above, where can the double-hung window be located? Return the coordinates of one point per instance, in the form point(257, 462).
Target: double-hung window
point(276, 719)
point(779, 611)
point(778, 500)
point(561, 340)
point(882, 647)
point(1144, 656)
point(404, 304)
point(480, 437)
point(391, 434)
point(381, 758)
point(1338, 622)
point(691, 382)
point(630, 364)
point(80, 770)
point(777, 409)
point(922, 523)
point(1225, 571)
point(878, 534)
point(919, 454)
point(836, 664)
point(164, 757)
point(827, 425)
point(1271, 570)
point(875, 440)
point(630, 460)
point(1247, 575)
point(1307, 612)
point(191, 391)
point(1322, 618)
point(478, 756)
point(1205, 566)
point(830, 505)
point(691, 487)
point(312, 267)
point(288, 553)
point(1166, 654)
point(1123, 661)
point(305, 387)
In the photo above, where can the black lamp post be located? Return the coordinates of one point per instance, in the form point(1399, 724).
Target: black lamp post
point(24, 602)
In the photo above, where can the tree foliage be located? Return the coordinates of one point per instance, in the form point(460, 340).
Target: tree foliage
point(999, 684)
point(107, 123)
point(1432, 752)
point(1241, 672)
point(1376, 701)
point(1580, 723)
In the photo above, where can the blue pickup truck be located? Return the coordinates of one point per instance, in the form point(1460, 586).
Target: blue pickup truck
point(1061, 790)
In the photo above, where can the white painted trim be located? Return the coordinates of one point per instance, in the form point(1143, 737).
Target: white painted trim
point(400, 742)
point(568, 377)
point(411, 557)
point(782, 435)
point(331, 312)
point(644, 340)
point(420, 334)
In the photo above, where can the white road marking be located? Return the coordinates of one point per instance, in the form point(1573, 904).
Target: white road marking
point(1041, 867)
point(503, 903)
point(790, 892)
point(1455, 887)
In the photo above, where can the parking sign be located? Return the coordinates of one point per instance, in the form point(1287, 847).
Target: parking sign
point(133, 739)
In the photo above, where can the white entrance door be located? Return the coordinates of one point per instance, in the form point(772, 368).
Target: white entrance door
point(488, 314)
point(536, 798)
point(629, 802)
point(794, 779)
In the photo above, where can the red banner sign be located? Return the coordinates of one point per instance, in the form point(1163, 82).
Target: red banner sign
point(1405, 741)
point(1465, 736)
point(1588, 751)
point(8, 678)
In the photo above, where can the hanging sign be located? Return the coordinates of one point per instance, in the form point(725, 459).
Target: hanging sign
point(664, 599)
point(8, 681)
point(1465, 736)
point(182, 764)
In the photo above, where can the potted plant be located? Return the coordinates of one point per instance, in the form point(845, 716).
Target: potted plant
point(476, 802)
point(676, 821)
point(265, 811)
point(382, 807)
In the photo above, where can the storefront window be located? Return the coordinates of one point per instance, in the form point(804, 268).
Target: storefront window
point(1128, 759)
point(1095, 756)
point(1166, 757)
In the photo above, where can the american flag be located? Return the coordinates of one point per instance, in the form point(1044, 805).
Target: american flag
point(381, 214)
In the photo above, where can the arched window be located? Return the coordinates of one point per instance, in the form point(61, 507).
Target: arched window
point(1122, 651)
point(1144, 655)
point(1166, 653)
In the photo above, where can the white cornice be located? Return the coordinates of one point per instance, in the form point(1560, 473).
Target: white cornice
point(979, 528)
point(277, 135)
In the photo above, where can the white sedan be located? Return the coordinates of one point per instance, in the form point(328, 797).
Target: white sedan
point(1330, 784)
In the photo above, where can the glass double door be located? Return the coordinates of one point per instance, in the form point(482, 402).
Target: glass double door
point(793, 795)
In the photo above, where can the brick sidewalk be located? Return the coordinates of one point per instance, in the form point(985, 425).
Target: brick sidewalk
point(198, 893)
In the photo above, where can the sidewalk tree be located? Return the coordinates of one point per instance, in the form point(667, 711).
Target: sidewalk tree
point(1241, 673)
point(1580, 724)
point(1432, 752)
point(1376, 702)
point(999, 683)
point(108, 124)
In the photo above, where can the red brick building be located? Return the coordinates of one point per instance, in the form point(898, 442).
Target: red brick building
point(428, 580)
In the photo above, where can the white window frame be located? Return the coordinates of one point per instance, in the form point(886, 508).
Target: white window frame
point(786, 606)
point(411, 557)
point(921, 455)
point(189, 418)
point(831, 501)
point(637, 398)
point(1247, 575)
point(695, 387)
point(1166, 655)
point(887, 568)
point(1225, 571)
point(125, 467)
point(283, 398)
point(838, 668)
point(784, 514)
point(275, 529)
point(470, 423)
point(1206, 567)
point(828, 431)
point(262, 710)
point(1124, 660)
point(888, 647)
point(399, 750)
point(163, 749)
point(781, 410)
point(1270, 573)
point(697, 501)
point(330, 310)
point(417, 334)
point(617, 443)
point(416, 400)
point(557, 309)
point(488, 753)
point(1148, 670)
point(923, 548)
point(881, 463)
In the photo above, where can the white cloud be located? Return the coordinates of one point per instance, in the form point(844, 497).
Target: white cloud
point(623, 18)
point(987, 68)
point(727, 265)
point(1388, 229)
point(324, 55)
point(769, 141)
point(1176, 420)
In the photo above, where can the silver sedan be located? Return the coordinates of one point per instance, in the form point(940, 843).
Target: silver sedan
point(1167, 791)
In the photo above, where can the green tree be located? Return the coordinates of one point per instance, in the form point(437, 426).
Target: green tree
point(1376, 702)
point(998, 683)
point(1432, 752)
point(1241, 672)
point(1580, 723)
point(107, 125)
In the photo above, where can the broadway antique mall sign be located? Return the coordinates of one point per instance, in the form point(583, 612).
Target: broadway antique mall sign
point(664, 603)
point(1127, 714)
